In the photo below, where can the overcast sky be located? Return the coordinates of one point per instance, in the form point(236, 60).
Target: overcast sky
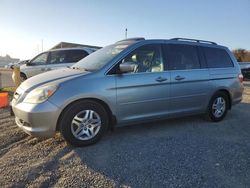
point(25, 23)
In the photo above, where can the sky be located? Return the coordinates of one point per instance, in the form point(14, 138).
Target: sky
point(24, 24)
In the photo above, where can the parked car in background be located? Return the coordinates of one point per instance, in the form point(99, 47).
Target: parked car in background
point(245, 69)
point(17, 64)
point(53, 59)
point(131, 81)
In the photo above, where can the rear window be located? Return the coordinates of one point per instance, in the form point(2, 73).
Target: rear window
point(74, 56)
point(217, 58)
point(182, 57)
point(66, 56)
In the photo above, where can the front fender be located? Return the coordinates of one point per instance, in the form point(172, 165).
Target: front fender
point(84, 88)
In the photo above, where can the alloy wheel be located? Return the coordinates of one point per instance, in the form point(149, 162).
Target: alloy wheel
point(86, 125)
point(219, 107)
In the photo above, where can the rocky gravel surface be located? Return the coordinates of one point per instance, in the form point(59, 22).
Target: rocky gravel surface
point(184, 152)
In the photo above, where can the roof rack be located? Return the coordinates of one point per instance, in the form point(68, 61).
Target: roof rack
point(194, 40)
point(132, 39)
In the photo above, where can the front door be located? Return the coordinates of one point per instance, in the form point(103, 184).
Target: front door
point(144, 93)
point(36, 66)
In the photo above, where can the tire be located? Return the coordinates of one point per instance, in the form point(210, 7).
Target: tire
point(211, 114)
point(23, 77)
point(81, 112)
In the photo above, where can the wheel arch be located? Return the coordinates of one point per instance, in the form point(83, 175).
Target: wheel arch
point(226, 91)
point(22, 73)
point(111, 116)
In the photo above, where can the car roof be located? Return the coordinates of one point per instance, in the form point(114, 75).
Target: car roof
point(74, 48)
point(195, 42)
point(86, 49)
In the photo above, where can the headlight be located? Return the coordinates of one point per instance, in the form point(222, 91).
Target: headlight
point(40, 94)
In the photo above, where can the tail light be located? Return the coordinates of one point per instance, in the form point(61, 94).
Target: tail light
point(241, 78)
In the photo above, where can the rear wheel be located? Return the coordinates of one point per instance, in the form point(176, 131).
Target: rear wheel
point(218, 107)
point(84, 123)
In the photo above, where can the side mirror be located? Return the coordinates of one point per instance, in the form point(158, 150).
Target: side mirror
point(28, 63)
point(127, 67)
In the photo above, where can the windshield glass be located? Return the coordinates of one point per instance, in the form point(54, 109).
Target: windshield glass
point(101, 57)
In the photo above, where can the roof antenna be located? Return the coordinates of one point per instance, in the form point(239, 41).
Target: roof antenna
point(126, 33)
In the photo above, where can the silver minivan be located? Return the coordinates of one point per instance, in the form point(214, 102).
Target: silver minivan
point(53, 59)
point(131, 81)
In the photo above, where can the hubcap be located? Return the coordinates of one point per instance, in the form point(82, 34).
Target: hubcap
point(219, 107)
point(86, 124)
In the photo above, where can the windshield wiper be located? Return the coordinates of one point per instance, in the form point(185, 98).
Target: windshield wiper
point(84, 69)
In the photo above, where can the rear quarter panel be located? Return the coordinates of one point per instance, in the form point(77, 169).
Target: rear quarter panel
point(227, 79)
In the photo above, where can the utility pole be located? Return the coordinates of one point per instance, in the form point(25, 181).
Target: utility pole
point(42, 45)
point(126, 33)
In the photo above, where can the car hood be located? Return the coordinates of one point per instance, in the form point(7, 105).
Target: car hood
point(55, 76)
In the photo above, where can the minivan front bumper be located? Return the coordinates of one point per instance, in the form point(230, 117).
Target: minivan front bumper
point(38, 120)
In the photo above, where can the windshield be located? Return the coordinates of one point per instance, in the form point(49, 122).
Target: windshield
point(101, 57)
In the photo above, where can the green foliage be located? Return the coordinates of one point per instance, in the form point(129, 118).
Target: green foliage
point(10, 90)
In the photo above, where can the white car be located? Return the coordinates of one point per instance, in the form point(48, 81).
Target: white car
point(245, 69)
point(53, 59)
point(244, 65)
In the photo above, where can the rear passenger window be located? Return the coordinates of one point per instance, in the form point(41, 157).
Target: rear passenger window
point(217, 58)
point(182, 57)
point(74, 56)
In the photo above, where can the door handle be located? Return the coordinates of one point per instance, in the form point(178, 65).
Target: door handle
point(161, 79)
point(179, 78)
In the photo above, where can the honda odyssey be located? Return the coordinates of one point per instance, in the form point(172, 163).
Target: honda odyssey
point(134, 80)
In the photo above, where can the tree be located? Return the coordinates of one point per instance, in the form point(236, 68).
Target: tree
point(242, 55)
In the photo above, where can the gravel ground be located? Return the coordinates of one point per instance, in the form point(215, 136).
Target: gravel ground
point(185, 152)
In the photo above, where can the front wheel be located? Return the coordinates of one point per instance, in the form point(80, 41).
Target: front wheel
point(218, 107)
point(84, 123)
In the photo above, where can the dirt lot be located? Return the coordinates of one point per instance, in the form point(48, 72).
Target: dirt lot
point(185, 152)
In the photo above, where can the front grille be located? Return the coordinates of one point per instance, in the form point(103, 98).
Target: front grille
point(23, 123)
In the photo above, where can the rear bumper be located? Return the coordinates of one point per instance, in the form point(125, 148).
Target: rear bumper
point(236, 101)
point(38, 120)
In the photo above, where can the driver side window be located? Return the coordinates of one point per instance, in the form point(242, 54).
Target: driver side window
point(148, 58)
point(40, 59)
